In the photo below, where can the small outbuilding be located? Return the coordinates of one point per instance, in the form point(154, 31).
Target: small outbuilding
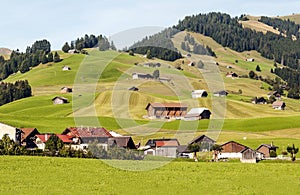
point(141, 76)
point(66, 68)
point(59, 100)
point(133, 89)
point(232, 75)
point(197, 114)
point(266, 149)
point(199, 93)
point(259, 100)
point(205, 142)
point(166, 110)
point(66, 90)
point(278, 105)
point(221, 93)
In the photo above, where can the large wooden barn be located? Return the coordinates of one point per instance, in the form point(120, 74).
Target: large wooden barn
point(166, 110)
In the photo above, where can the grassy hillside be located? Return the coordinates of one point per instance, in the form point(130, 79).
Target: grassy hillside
point(293, 17)
point(96, 177)
point(101, 96)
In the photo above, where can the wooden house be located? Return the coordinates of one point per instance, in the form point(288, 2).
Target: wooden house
point(199, 93)
point(59, 100)
point(221, 93)
point(66, 90)
point(28, 136)
point(162, 147)
point(266, 149)
point(278, 105)
point(231, 149)
point(197, 114)
point(205, 142)
point(166, 110)
point(250, 156)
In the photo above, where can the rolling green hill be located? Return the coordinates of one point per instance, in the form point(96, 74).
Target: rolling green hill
point(101, 97)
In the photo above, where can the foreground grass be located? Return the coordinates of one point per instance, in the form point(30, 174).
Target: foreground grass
point(43, 175)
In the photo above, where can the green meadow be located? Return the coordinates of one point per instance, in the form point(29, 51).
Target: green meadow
point(44, 175)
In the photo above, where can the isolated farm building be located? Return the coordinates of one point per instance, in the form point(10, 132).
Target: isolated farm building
point(66, 90)
point(188, 55)
point(232, 75)
point(123, 142)
point(28, 136)
point(266, 149)
point(199, 93)
point(13, 132)
point(166, 110)
point(141, 76)
point(276, 94)
point(191, 64)
point(41, 140)
point(162, 147)
point(229, 67)
point(162, 79)
point(221, 93)
point(250, 156)
point(205, 142)
point(250, 60)
point(231, 149)
point(278, 105)
point(59, 100)
point(133, 89)
point(82, 136)
point(66, 68)
point(197, 114)
point(259, 100)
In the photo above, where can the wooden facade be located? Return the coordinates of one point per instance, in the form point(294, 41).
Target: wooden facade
point(265, 149)
point(166, 110)
point(232, 146)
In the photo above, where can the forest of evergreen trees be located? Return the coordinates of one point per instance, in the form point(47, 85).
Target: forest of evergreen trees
point(13, 91)
point(229, 32)
point(39, 52)
point(89, 41)
point(285, 27)
point(159, 45)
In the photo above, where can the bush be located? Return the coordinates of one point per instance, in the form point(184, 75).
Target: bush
point(273, 154)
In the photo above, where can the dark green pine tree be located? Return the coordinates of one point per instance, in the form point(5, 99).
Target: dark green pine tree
point(24, 66)
point(56, 57)
point(50, 57)
point(66, 47)
point(44, 59)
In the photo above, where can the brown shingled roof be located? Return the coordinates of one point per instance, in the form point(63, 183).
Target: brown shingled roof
point(27, 132)
point(167, 105)
point(87, 132)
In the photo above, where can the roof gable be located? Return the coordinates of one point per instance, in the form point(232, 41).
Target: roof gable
point(86, 132)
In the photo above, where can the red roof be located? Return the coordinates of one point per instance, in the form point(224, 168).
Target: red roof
point(65, 138)
point(166, 105)
point(87, 132)
point(166, 143)
point(27, 132)
point(44, 137)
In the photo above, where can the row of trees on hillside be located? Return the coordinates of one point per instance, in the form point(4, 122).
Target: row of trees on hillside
point(39, 52)
point(89, 41)
point(286, 27)
point(197, 48)
point(159, 46)
point(13, 91)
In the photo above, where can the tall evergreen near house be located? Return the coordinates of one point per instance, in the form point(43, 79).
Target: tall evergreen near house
point(56, 57)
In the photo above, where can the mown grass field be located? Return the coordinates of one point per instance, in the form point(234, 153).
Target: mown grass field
point(44, 175)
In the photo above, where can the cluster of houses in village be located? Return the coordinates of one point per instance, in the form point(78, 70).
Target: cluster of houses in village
point(79, 138)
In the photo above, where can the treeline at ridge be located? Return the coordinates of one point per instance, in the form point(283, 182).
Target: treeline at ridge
point(159, 45)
